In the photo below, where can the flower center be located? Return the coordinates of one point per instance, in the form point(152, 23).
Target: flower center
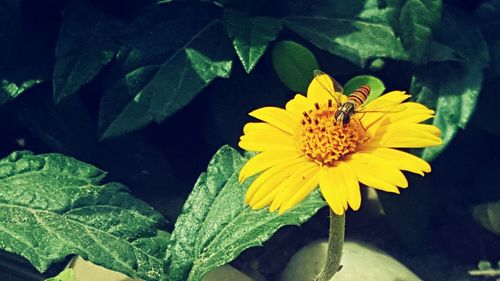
point(326, 142)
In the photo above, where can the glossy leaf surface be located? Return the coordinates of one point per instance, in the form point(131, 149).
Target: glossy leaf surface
point(52, 206)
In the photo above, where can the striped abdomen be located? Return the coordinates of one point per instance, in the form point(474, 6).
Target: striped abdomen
point(359, 96)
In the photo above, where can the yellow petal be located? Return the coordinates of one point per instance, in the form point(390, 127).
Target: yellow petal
point(411, 109)
point(277, 117)
point(371, 118)
point(270, 186)
point(259, 146)
point(298, 105)
point(415, 106)
point(293, 184)
point(269, 137)
point(267, 175)
point(333, 188)
point(383, 168)
point(391, 98)
point(406, 128)
point(404, 139)
point(402, 160)
point(321, 89)
point(266, 200)
point(290, 182)
point(376, 172)
point(405, 116)
point(309, 185)
point(413, 118)
point(377, 109)
point(265, 160)
point(353, 192)
point(262, 127)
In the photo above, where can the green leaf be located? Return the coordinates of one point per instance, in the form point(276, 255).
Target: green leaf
point(294, 65)
point(66, 275)
point(124, 106)
point(458, 31)
point(416, 20)
point(54, 125)
point(484, 265)
point(86, 44)
point(452, 88)
point(250, 36)
point(10, 90)
point(452, 91)
point(24, 57)
point(216, 225)
point(68, 211)
point(487, 15)
point(172, 55)
point(191, 68)
point(377, 86)
point(357, 31)
point(488, 216)
point(437, 52)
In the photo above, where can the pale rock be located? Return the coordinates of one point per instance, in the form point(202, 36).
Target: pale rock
point(359, 262)
point(87, 271)
point(226, 273)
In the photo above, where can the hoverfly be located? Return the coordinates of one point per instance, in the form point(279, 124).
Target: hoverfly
point(354, 101)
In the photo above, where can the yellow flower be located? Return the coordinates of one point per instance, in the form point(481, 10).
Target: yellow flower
point(302, 146)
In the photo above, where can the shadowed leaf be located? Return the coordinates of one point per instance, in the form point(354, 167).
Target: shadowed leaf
point(86, 44)
point(452, 88)
point(172, 55)
point(250, 36)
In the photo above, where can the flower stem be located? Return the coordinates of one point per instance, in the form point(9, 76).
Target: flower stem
point(335, 244)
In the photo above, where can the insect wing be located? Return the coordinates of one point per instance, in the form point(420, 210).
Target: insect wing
point(338, 87)
point(384, 108)
point(329, 84)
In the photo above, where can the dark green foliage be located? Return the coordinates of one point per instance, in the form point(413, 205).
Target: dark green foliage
point(452, 88)
point(294, 64)
point(86, 44)
point(56, 197)
point(171, 56)
point(24, 61)
point(54, 125)
point(216, 225)
point(487, 15)
point(138, 94)
point(188, 71)
point(415, 20)
point(341, 29)
point(250, 36)
point(488, 216)
point(172, 51)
